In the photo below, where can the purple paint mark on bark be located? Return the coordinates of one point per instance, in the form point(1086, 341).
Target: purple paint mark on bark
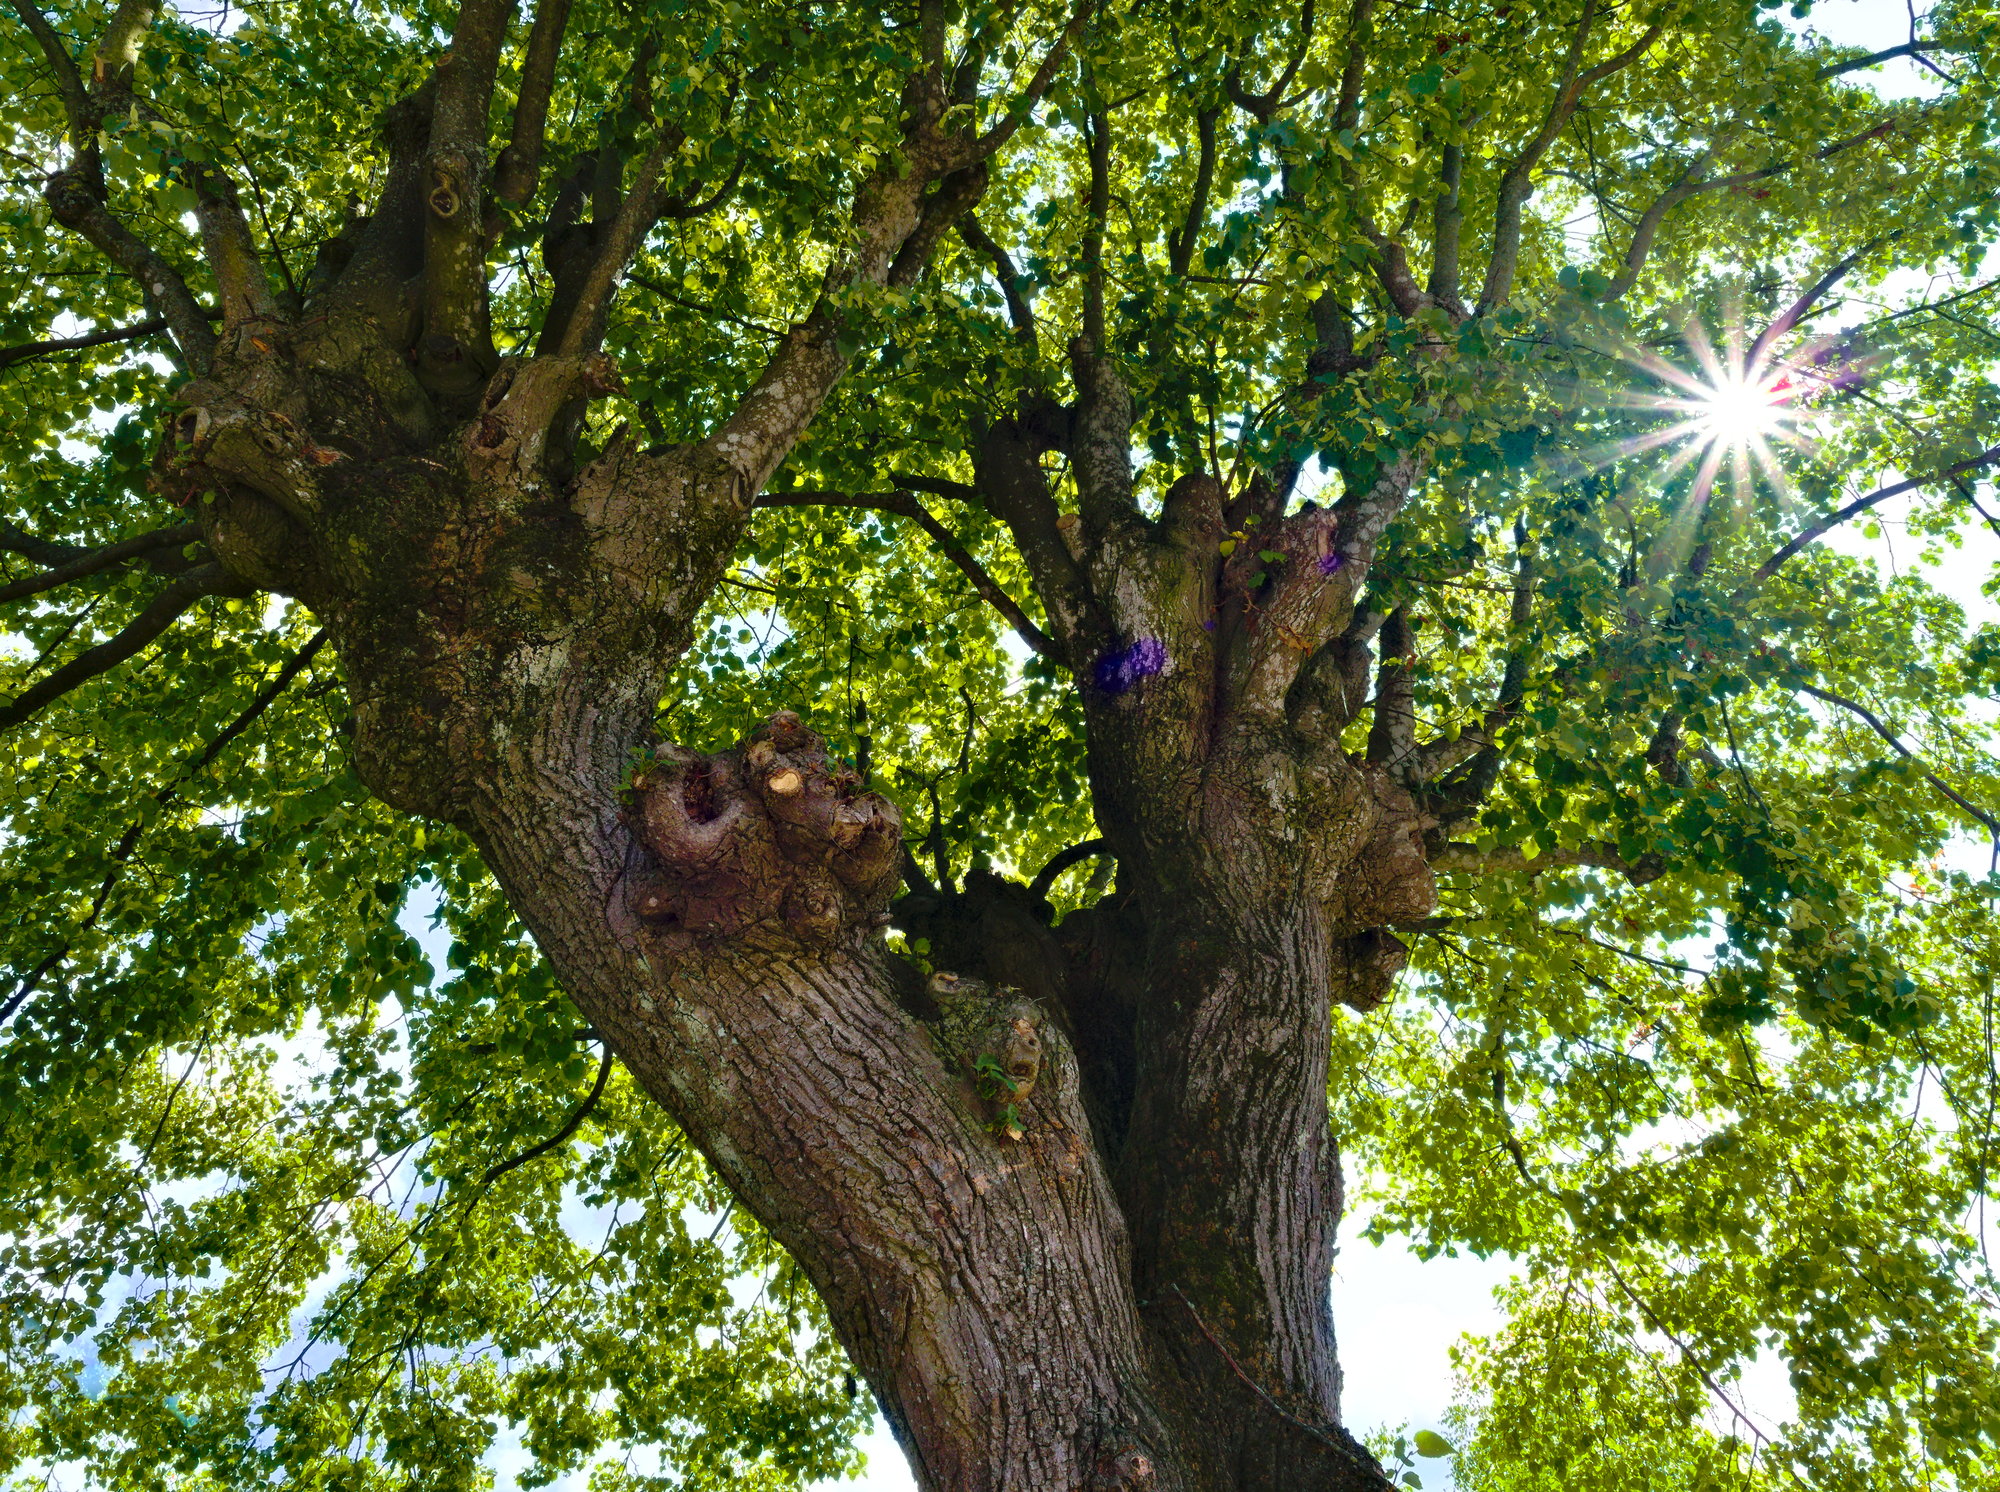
point(1119, 670)
point(1328, 563)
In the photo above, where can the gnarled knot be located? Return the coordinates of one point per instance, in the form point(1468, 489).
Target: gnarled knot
point(1389, 879)
point(1130, 1471)
point(771, 837)
point(995, 1037)
point(444, 195)
point(1365, 967)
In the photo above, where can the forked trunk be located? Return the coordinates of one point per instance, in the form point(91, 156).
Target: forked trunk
point(1071, 1211)
point(720, 923)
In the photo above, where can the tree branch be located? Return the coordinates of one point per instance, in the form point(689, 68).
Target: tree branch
point(888, 208)
point(1392, 734)
point(1061, 861)
point(242, 287)
point(1353, 71)
point(17, 540)
point(519, 167)
point(1099, 141)
point(955, 196)
point(160, 613)
point(1793, 313)
point(69, 82)
point(905, 505)
point(74, 204)
point(1478, 746)
point(1019, 310)
point(569, 1127)
point(628, 228)
point(968, 152)
point(1180, 246)
point(1910, 48)
point(1860, 505)
point(1517, 185)
point(129, 840)
point(1261, 106)
point(457, 348)
point(76, 194)
point(1854, 707)
point(1648, 226)
point(90, 561)
point(28, 351)
point(1596, 854)
point(1446, 219)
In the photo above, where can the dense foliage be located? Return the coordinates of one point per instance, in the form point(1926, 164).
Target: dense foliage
point(1702, 1031)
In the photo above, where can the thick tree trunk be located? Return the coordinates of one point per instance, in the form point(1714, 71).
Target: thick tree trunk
point(721, 930)
point(980, 1282)
point(1074, 1223)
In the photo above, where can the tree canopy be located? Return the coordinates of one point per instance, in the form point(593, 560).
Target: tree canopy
point(1642, 310)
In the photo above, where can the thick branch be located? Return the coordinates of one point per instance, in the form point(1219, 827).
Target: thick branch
point(1510, 858)
point(1392, 734)
point(1019, 310)
point(1517, 185)
point(810, 360)
point(966, 153)
point(118, 52)
point(90, 561)
point(1061, 861)
point(1910, 48)
point(1798, 308)
point(905, 505)
point(17, 540)
point(1180, 247)
point(457, 346)
point(955, 196)
point(519, 167)
point(28, 351)
point(634, 219)
point(160, 613)
point(1360, 31)
point(242, 287)
point(1093, 233)
point(1445, 224)
point(69, 82)
point(74, 204)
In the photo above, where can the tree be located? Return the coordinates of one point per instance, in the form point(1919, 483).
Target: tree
point(656, 482)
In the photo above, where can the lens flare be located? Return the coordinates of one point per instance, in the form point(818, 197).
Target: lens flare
point(1718, 422)
point(1741, 412)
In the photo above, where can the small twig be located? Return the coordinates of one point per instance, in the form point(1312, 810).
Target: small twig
point(129, 840)
point(905, 505)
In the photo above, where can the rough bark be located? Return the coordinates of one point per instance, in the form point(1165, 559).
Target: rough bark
point(1109, 1270)
point(1072, 1201)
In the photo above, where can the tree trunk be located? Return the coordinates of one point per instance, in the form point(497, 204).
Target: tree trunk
point(1073, 1212)
point(721, 929)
